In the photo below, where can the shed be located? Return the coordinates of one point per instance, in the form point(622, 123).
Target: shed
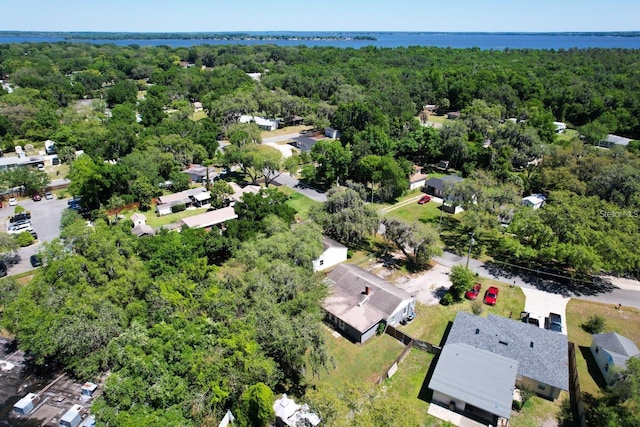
point(138, 219)
point(72, 418)
point(334, 253)
point(417, 178)
point(535, 201)
point(330, 132)
point(25, 405)
point(88, 389)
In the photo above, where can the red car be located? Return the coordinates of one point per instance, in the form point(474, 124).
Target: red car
point(491, 296)
point(473, 292)
point(424, 199)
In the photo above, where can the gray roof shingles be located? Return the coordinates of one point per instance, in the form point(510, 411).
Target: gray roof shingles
point(621, 348)
point(542, 355)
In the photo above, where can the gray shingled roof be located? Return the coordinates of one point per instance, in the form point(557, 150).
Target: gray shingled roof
point(478, 377)
point(348, 301)
point(619, 347)
point(439, 183)
point(542, 354)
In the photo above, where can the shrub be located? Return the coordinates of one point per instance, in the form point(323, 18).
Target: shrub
point(24, 239)
point(382, 326)
point(594, 324)
point(461, 280)
point(477, 307)
point(18, 209)
point(447, 299)
point(178, 208)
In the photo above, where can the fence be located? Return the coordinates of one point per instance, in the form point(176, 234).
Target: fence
point(410, 343)
point(577, 405)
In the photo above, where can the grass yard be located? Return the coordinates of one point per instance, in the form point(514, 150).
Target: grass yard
point(438, 119)
point(538, 412)
point(625, 322)
point(429, 213)
point(198, 115)
point(431, 321)
point(357, 363)
point(299, 202)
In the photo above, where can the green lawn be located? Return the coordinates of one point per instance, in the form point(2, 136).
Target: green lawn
point(537, 412)
point(431, 321)
point(301, 203)
point(198, 115)
point(625, 322)
point(357, 363)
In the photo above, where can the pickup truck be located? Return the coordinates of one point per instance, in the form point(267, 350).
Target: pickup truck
point(554, 322)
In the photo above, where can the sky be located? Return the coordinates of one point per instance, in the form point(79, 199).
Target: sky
point(325, 15)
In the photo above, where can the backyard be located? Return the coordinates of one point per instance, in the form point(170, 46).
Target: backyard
point(625, 321)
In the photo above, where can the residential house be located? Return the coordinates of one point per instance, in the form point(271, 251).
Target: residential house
point(143, 230)
point(612, 350)
point(438, 187)
point(534, 201)
point(263, 123)
point(193, 197)
point(359, 302)
point(9, 162)
point(293, 120)
point(560, 127)
point(542, 355)
point(332, 133)
point(238, 192)
point(417, 178)
point(473, 380)
point(334, 253)
point(210, 218)
point(197, 106)
point(612, 140)
point(198, 173)
point(73, 417)
point(138, 219)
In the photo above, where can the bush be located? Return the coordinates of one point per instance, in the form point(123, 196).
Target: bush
point(447, 299)
point(594, 325)
point(18, 209)
point(477, 307)
point(382, 326)
point(24, 239)
point(461, 280)
point(178, 208)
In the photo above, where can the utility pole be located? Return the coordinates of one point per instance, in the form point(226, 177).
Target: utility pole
point(471, 242)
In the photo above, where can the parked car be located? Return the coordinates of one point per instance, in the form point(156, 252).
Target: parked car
point(424, 199)
point(532, 318)
point(19, 228)
point(13, 201)
point(21, 217)
point(553, 322)
point(3, 269)
point(36, 260)
point(36, 197)
point(48, 195)
point(491, 296)
point(474, 291)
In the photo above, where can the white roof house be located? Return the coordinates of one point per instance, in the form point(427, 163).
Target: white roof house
point(263, 123)
point(211, 218)
point(560, 127)
point(535, 201)
point(73, 417)
point(25, 405)
point(292, 414)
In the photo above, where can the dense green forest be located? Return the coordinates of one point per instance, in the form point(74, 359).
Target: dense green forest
point(190, 324)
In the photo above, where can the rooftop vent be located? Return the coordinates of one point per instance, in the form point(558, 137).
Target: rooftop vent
point(477, 331)
point(503, 342)
point(531, 344)
point(364, 301)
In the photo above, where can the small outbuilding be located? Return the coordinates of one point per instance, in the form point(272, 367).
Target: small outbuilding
point(332, 133)
point(612, 350)
point(534, 201)
point(88, 389)
point(334, 253)
point(417, 178)
point(25, 405)
point(72, 418)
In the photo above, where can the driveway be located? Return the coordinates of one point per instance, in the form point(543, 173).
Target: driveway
point(45, 219)
point(287, 180)
point(543, 303)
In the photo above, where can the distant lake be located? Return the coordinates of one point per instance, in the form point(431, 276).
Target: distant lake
point(485, 41)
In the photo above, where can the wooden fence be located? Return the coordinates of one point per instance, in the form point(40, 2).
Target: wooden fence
point(410, 343)
point(577, 404)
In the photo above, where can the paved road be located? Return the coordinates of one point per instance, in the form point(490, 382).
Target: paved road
point(287, 180)
point(280, 138)
point(45, 219)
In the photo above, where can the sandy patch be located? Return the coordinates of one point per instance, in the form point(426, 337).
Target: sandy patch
point(428, 287)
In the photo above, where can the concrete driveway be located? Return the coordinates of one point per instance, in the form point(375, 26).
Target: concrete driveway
point(287, 180)
point(543, 303)
point(45, 219)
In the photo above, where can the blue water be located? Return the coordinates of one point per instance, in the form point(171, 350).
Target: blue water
point(484, 41)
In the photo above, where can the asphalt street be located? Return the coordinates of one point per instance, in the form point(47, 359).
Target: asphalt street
point(45, 219)
point(287, 180)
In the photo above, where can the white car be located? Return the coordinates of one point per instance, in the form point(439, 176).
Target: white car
point(19, 228)
point(13, 201)
point(534, 319)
